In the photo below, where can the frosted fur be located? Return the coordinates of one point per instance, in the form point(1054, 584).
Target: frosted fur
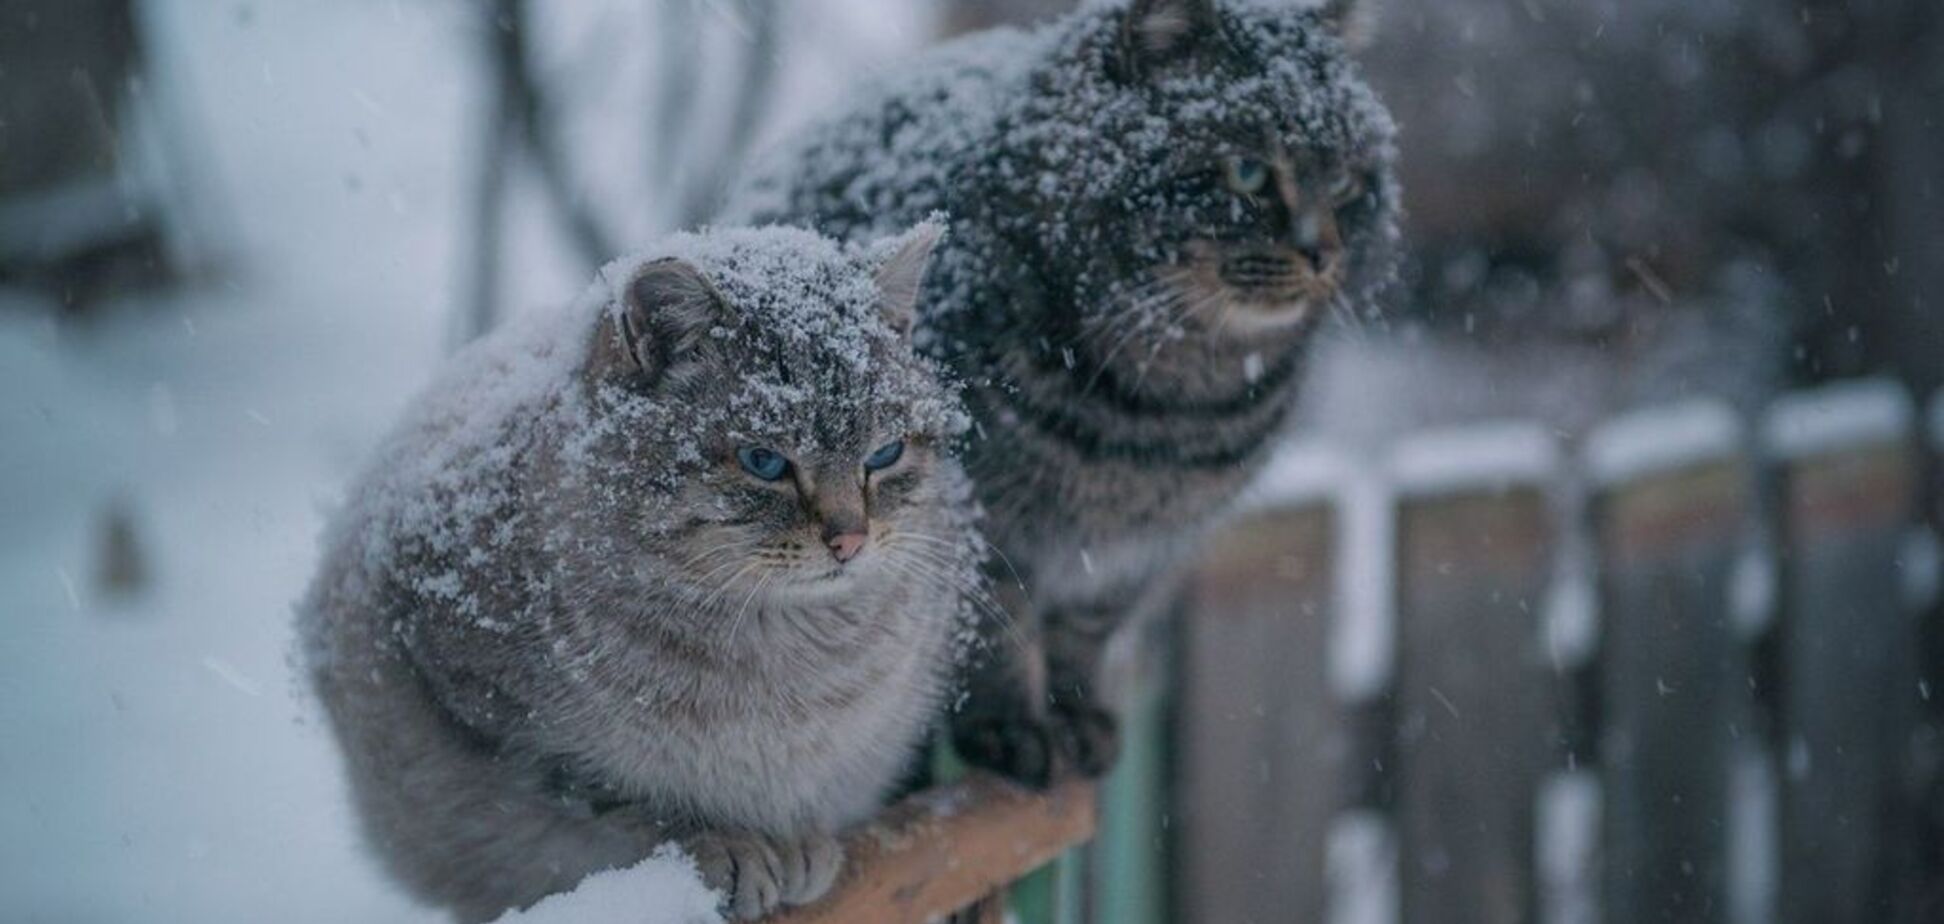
point(557, 626)
point(1095, 293)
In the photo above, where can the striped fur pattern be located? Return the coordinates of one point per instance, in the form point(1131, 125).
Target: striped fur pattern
point(1154, 205)
point(561, 623)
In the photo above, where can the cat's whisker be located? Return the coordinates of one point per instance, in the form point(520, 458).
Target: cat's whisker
point(738, 575)
point(947, 568)
point(1145, 304)
point(973, 594)
point(1140, 325)
point(736, 624)
point(699, 559)
point(1356, 325)
point(1180, 316)
point(719, 567)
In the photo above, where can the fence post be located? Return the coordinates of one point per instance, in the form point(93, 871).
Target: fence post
point(1928, 902)
point(1260, 763)
point(1477, 725)
point(1846, 652)
point(1672, 512)
point(1127, 863)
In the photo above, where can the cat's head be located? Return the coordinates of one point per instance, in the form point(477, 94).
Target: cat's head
point(1218, 163)
point(756, 396)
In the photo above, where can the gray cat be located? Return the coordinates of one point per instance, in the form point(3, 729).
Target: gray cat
point(682, 565)
point(1153, 206)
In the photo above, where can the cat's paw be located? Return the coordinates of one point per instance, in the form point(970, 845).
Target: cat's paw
point(1076, 739)
point(1089, 738)
point(1013, 746)
point(758, 873)
point(811, 864)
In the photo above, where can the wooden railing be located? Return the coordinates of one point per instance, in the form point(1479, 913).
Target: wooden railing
point(1688, 666)
point(950, 849)
point(1658, 672)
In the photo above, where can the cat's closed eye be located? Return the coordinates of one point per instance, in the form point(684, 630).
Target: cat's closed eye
point(1346, 187)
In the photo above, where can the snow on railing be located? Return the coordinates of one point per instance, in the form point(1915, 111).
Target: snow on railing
point(1658, 440)
point(1838, 417)
point(1745, 535)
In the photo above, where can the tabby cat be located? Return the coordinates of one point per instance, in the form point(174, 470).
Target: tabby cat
point(1154, 204)
point(681, 565)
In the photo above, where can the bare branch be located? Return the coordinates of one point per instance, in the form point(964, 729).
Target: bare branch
point(753, 95)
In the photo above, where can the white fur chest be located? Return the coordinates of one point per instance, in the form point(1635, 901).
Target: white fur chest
point(755, 750)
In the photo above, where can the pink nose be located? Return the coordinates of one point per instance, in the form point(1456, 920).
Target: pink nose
point(845, 546)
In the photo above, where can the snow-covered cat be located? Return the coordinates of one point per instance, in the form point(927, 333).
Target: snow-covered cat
point(1153, 204)
point(683, 564)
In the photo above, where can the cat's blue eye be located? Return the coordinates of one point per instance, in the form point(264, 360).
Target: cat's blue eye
point(885, 456)
point(1246, 175)
point(767, 464)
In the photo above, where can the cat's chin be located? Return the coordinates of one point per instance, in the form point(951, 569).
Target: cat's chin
point(813, 582)
point(1246, 316)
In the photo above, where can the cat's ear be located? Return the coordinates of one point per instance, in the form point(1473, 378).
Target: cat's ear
point(1353, 21)
point(662, 318)
point(901, 271)
point(1156, 32)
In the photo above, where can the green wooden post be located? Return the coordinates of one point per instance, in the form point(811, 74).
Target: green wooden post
point(1129, 865)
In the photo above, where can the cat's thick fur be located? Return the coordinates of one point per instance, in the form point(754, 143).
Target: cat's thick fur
point(1153, 204)
point(559, 624)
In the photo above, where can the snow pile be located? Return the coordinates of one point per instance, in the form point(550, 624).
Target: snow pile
point(1571, 614)
point(1568, 848)
point(1921, 560)
point(663, 889)
point(1836, 417)
point(1662, 439)
point(1361, 861)
point(1754, 830)
point(1482, 457)
point(1297, 473)
point(1363, 640)
point(1752, 588)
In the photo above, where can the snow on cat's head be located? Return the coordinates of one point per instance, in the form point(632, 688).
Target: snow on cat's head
point(760, 416)
point(1219, 160)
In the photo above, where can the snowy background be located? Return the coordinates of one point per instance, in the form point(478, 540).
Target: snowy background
point(160, 763)
point(1614, 206)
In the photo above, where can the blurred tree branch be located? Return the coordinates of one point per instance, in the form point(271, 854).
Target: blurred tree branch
point(523, 118)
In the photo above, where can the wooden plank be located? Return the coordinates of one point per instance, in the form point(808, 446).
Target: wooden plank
point(944, 849)
point(1476, 725)
point(1848, 668)
point(1673, 702)
point(1261, 754)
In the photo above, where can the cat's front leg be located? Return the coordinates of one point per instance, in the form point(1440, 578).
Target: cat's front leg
point(1084, 728)
point(1032, 713)
point(1000, 724)
point(758, 873)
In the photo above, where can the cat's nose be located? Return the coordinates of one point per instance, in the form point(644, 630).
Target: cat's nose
point(845, 546)
point(1315, 238)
